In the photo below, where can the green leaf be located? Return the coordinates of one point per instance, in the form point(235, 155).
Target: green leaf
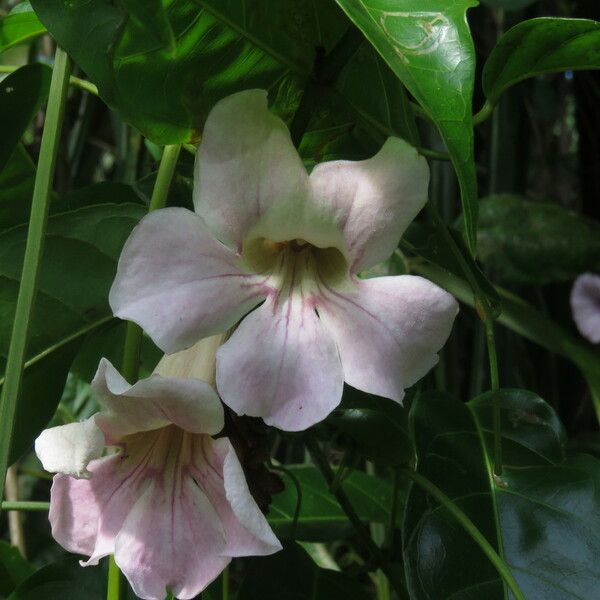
point(541, 515)
point(428, 45)
point(527, 242)
point(292, 574)
point(80, 258)
point(14, 569)
point(63, 580)
point(376, 97)
point(152, 16)
point(376, 427)
point(16, 188)
point(218, 51)
point(321, 517)
point(18, 27)
point(22, 94)
point(450, 253)
point(544, 45)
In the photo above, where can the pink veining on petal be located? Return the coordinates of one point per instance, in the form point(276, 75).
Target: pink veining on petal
point(161, 506)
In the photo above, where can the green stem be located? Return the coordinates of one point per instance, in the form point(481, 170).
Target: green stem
point(495, 387)
point(131, 352)
point(82, 84)
point(362, 532)
point(485, 112)
point(471, 529)
point(116, 587)
point(26, 506)
point(33, 253)
point(166, 170)
point(225, 582)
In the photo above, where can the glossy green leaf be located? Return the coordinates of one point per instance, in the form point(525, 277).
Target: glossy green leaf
point(428, 45)
point(542, 515)
point(218, 51)
point(544, 45)
point(527, 242)
point(152, 16)
point(376, 97)
point(18, 27)
point(450, 253)
point(82, 248)
point(14, 569)
point(22, 94)
point(375, 427)
point(63, 580)
point(321, 517)
point(292, 574)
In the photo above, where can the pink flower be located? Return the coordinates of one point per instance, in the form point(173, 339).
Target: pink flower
point(585, 304)
point(173, 505)
point(264, 231)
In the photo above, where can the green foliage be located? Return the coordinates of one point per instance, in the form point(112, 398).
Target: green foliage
point(544, 45)
point(63, 580)
point(527, 242)
point(376, 428)
point(14, 569)
point(321, 517)
point(82, 248)
point(19, 26)
point(548, 539)
point(428, 46)
point(21, 96)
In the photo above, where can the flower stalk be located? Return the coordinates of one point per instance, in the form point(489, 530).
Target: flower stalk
point(33, 253)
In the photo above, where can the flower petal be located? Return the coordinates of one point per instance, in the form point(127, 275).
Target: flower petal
point(388, 331)
point(86, 514)
point(280, 364)
point(246, 512)
point(585, 304)
point(154, 402)
point(245, 165)
point(179, 283)
point(171, 538)
point(374, 200)
point(219, 474)
point(69, 448)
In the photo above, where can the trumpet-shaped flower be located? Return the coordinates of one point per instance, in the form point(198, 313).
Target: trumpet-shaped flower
point(172, 505)
point(265, 231)
point(585, 305)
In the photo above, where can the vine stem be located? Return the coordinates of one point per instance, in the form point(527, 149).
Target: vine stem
point(82, 84)
point(23, 505)
point(471, 529)
point(495, 387)
point(362, 532)
point(33, 253)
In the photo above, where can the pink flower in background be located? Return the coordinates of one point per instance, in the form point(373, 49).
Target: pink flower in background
point(265, 231)
point(585, 304)
point(172, 505)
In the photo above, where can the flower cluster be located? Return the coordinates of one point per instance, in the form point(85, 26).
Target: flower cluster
point(274, 253)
